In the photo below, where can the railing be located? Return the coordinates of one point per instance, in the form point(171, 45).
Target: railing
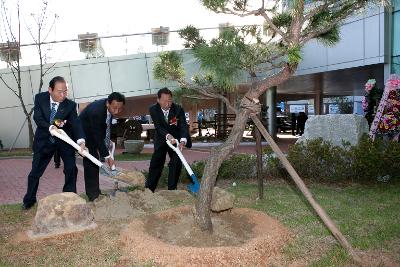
point(113, 45)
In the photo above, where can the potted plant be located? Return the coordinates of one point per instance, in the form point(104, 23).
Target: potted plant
point(132, 134)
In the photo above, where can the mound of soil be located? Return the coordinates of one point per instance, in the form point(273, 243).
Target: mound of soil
point(241, 237)
point(136, 203)
point(230, 229)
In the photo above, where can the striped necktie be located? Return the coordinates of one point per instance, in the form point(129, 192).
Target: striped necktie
point(53, 112)
point(52, 115)
point(107, 139)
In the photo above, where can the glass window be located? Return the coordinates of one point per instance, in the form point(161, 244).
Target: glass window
point(396, 5)
point(396, 65)
point(396, 33)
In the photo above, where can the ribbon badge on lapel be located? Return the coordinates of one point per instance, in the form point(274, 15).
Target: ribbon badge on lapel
point(59, 123)
point(173, 121)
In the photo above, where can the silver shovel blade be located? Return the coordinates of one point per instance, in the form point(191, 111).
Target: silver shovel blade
point(106, 171)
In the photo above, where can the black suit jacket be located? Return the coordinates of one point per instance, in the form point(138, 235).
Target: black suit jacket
point(178, 131)
point(66, 111)
point(93, 119)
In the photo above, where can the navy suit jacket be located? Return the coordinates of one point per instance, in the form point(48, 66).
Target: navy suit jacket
point(178, 130)
point(93, 119)
point(41, 115)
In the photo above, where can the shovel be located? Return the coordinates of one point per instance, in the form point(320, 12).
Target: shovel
point(59, 133)
point(194, 186)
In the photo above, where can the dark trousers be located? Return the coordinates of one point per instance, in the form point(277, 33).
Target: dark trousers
point(39, 164)
point(91, 174)
point(300, 129)
point(57, 158)
point(157, 165)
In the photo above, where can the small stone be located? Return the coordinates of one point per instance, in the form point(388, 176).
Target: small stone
point(221, 200)
point(132, 177)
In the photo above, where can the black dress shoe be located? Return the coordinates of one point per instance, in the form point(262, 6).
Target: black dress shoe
point(26, 206)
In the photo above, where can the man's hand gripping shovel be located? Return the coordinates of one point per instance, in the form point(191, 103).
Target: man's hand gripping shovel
point(59, 133)
point(194, 186)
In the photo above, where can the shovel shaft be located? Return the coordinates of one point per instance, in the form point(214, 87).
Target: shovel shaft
point(180, 155)
point(59, 133)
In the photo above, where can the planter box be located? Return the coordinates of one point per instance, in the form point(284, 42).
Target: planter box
point(133, 146)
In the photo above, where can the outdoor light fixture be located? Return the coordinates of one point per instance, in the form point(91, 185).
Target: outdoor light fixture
point(10, 52)
point(90, 44)
point(160, 36)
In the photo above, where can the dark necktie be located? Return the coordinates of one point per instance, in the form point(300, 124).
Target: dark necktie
point(53, 112)
point(52, 115)
point(107, 139)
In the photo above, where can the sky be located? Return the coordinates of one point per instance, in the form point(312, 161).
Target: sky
point(114, 18)
point(123, 16)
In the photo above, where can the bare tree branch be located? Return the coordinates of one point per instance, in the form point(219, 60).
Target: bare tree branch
point(8, 86)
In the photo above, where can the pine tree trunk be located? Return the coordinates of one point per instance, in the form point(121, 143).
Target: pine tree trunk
point(218, 155)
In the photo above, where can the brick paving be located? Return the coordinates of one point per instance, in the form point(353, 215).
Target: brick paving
point(14, 171)
point(13, 180)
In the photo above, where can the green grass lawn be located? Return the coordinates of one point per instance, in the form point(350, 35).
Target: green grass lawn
point(368, 216)
point(16, 153)
point(133, 157)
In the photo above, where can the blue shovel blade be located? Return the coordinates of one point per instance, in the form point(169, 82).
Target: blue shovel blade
point(195, 186)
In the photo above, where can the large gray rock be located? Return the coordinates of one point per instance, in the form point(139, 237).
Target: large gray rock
point(61, 213)
point(133, 146)
point(221, 200)
point(335, 128)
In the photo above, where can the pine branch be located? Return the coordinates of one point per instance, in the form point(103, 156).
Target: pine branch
point(343, 15)
point(269, 22)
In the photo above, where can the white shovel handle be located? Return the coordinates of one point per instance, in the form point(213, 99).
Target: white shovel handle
point(59, 133)
point(180, 155)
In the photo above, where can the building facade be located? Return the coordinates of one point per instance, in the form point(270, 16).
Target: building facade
point(369, 48)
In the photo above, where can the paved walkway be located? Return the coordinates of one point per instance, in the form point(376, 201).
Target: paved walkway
point(14, 171)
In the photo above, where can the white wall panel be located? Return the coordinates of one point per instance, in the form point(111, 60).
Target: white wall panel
point(91, 79)
point(129, 75)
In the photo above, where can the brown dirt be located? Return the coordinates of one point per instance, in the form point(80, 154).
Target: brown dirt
point(241, 237)
point(135, 204)
point(230, 229)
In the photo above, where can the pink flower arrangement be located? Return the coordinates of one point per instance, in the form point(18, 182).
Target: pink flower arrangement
point(390, 120)
point(369, 85)
point(393, 82)
point(364, 104)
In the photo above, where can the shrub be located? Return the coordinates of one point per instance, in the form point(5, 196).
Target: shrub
point(320, 161)
point(237, 167)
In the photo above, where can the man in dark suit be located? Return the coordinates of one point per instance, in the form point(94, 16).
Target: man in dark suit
point(170, 123)
point(52, 106)
point(96, 121)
